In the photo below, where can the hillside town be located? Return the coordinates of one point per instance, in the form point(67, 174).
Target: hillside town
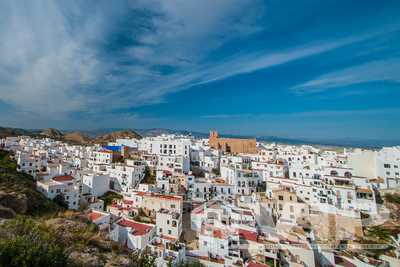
point(225, 202)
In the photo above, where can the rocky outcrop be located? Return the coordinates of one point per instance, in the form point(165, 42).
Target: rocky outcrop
point(7, 213)
point(14, 201)
point(92, 257)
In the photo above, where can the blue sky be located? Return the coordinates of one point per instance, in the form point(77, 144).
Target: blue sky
point(299, 69)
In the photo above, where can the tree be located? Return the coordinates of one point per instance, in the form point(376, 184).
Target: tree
point(143, 259)
point(9, 163)
point(195, 263)
point(380, 233)
point(216, 171)
point(60, 200)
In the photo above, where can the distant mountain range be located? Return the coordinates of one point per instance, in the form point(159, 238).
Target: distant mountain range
point(85, 137)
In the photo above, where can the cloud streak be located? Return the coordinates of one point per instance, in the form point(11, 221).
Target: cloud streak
point(376, 71)
point(96, 57)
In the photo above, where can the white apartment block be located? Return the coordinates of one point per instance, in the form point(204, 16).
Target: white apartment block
point(96, 184)
point(61, 184)
point(126, 177)
point(134, 235)
point(166, 145)
point(171, 163)
point(169, 223)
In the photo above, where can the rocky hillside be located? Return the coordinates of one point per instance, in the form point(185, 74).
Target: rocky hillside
point(18, 194)
point(112, 137)
point(51, 132)
point(76, 137)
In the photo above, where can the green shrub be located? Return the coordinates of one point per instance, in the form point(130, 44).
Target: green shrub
point(392, 198)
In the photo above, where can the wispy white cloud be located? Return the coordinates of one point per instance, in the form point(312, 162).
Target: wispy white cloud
point(376, 71)
point(61, 57)
point(219, 116)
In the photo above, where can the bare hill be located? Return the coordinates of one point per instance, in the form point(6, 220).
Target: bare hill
point(77, 137)
point(6, 132)
point(112, 137)
point(51, 132)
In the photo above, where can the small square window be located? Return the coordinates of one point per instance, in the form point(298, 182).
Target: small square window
point(205, 243)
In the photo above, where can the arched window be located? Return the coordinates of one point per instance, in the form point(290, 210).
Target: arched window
point(348, 174)
point(335, 173)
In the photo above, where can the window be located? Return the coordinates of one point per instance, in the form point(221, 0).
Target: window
point(396, 166)
point(307, 198)
point(167, 221)
point(280, 197)
point(58, 190)
point(387, 173)
point(291, 209)
point(67, 197)
point(396, 173)
point(291, 198)
point(280, 207)
point(52, 191)
point(169, 232)
point(205, 243)
point(349, 201)
point(74, 203)
point(386, 166)
point(292, 217)
point(172, 206)
point(314, 190)
point(222, 246)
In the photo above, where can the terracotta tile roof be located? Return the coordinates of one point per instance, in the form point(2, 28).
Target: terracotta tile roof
point(253, 263)
point(217, 232)
point(243, 212)
point(169, 237)
point(138, 228)
point(248, 235)
point(130, 202)
point(165, 196)
point(95, 215)
point(362, 190)
point(197, 211)
point(64, 178)
point(140, 193)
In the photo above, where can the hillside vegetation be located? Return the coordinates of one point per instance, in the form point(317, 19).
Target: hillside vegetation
point(112, 137)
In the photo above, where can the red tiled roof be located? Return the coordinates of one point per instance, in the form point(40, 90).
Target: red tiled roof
point(169, 237)
point(249, 236)
point(146, 183)
point(166, 197)
point(139, 228)
point(197, 211)
point(253, 263)
point(94, 215)
point(140, 193)
point(243, 212)
point(128, 202)
point(64, 178)
point(216, 232)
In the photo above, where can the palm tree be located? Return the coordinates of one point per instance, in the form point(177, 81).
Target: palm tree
point(381, 233)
